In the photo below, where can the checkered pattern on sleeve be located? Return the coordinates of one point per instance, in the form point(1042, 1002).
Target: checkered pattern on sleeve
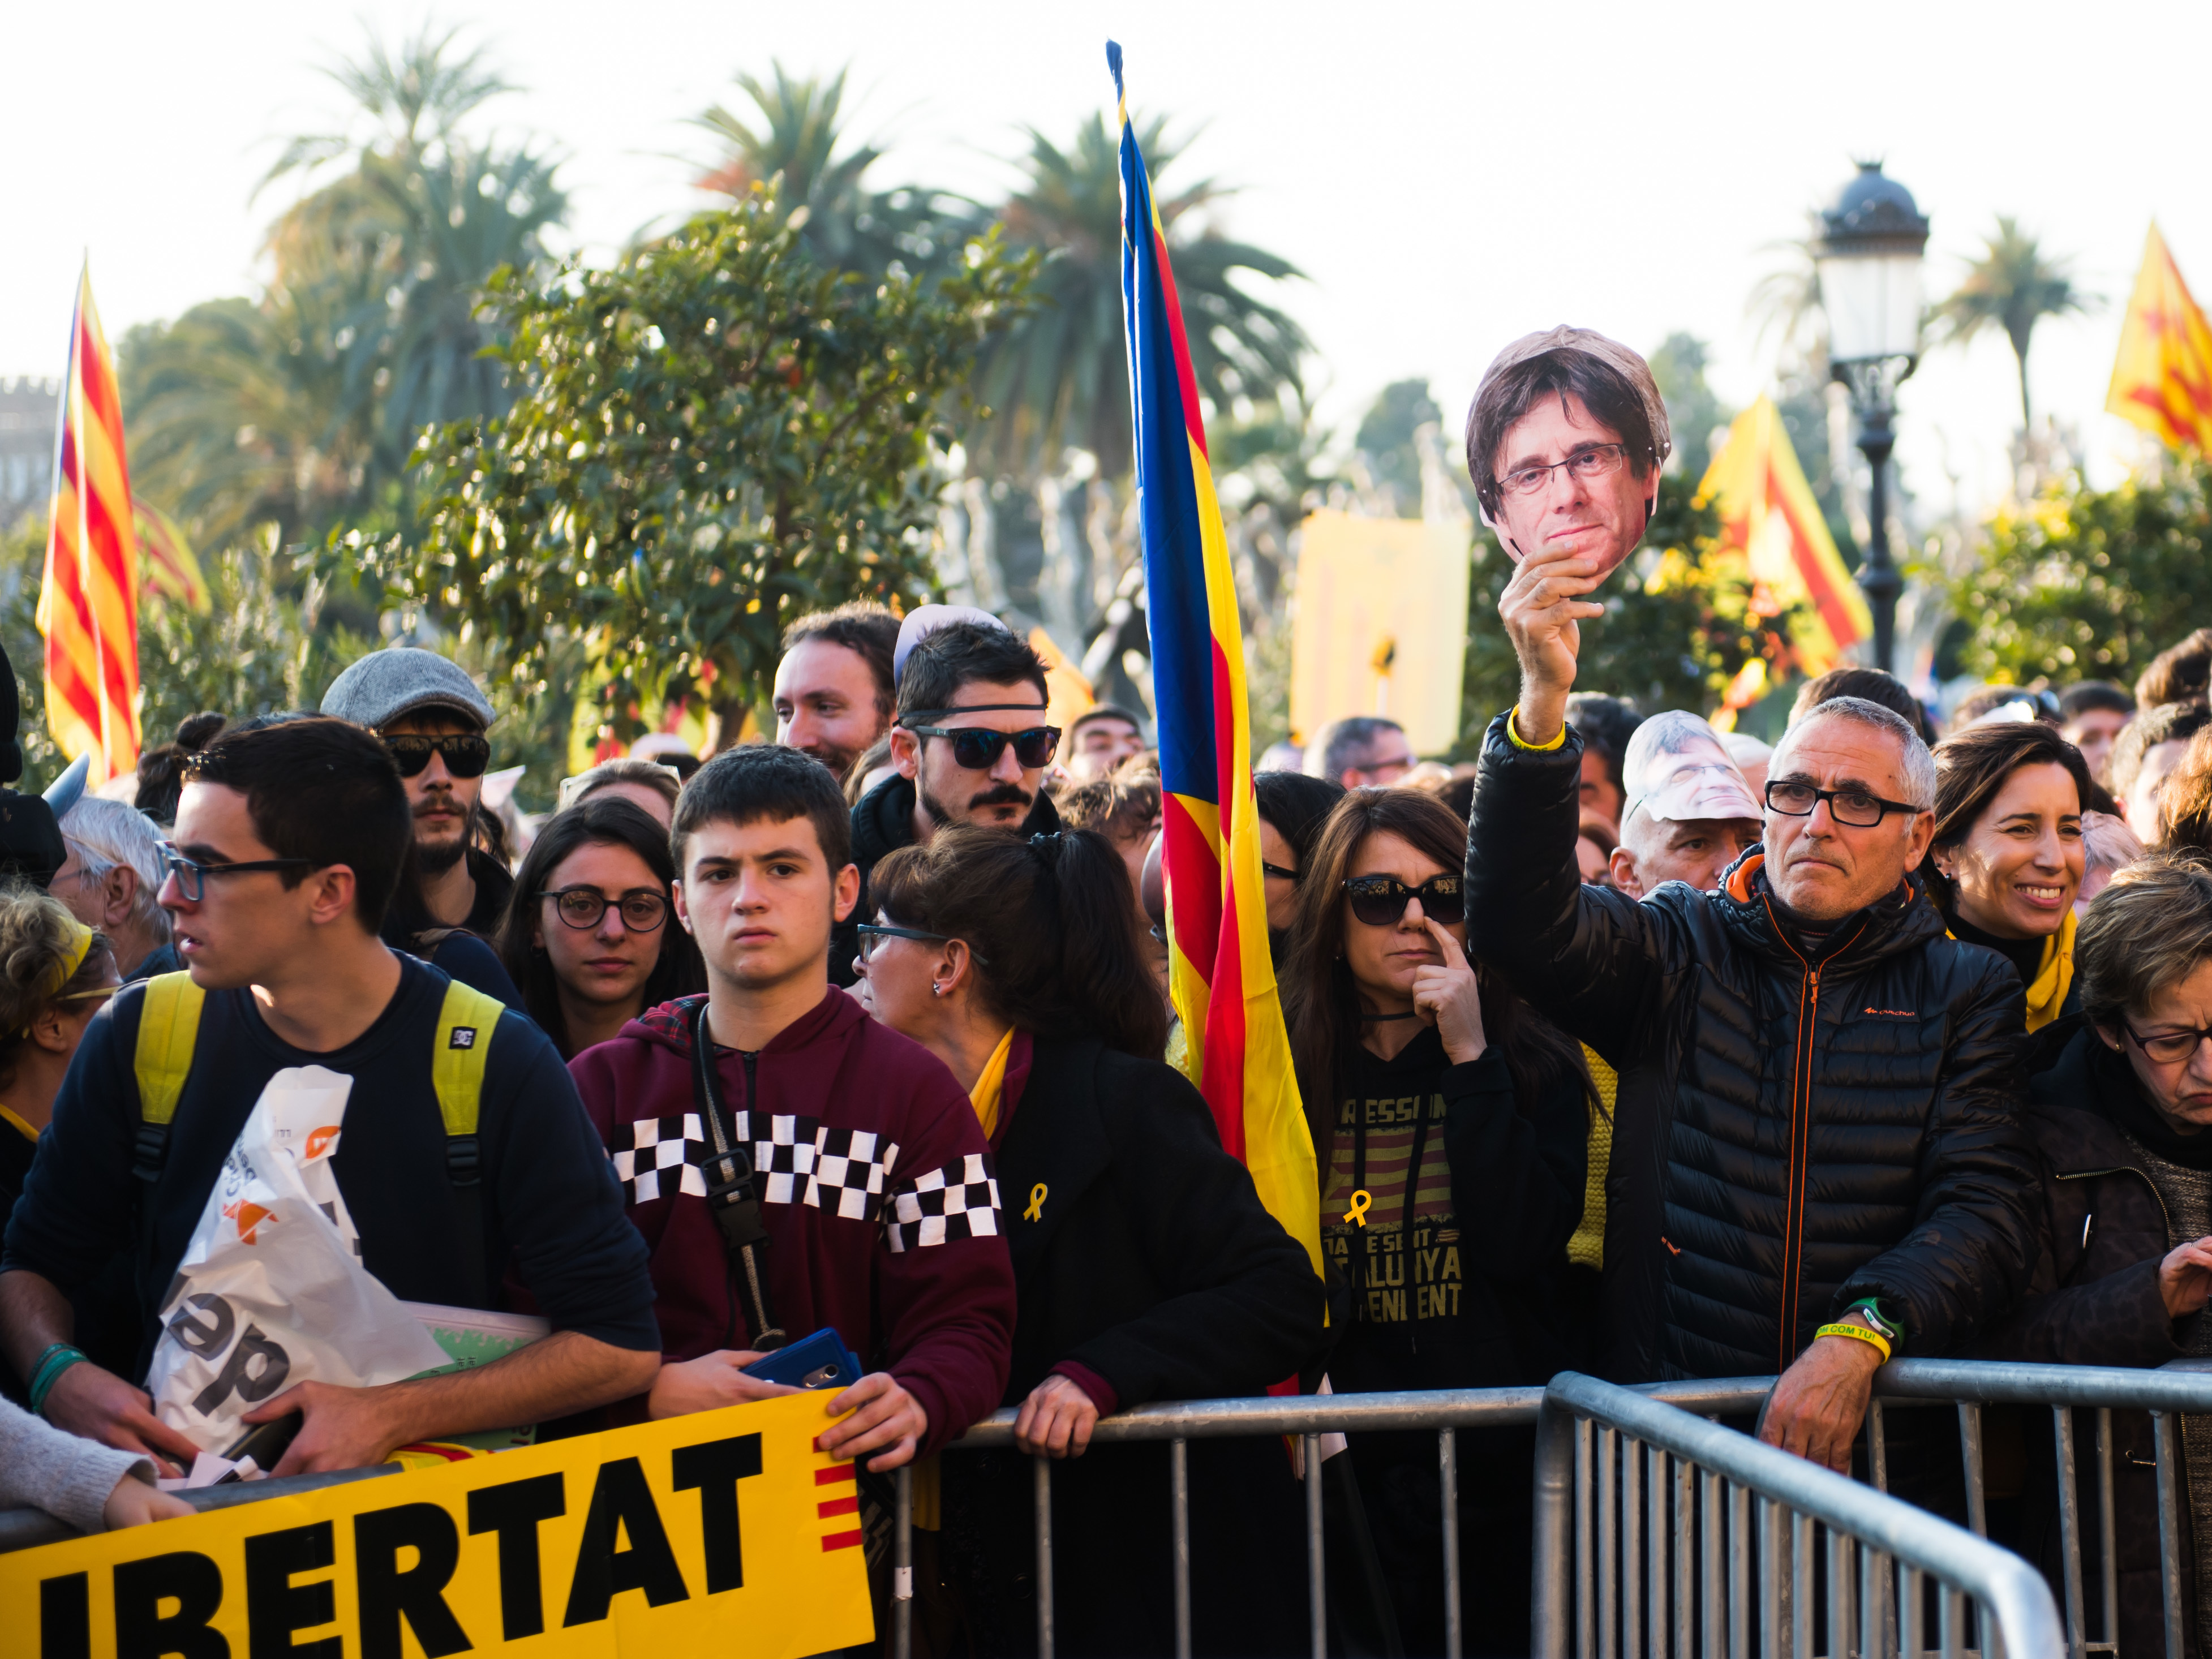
point(960, 1200)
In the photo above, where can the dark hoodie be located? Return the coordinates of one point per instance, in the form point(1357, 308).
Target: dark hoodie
point(883, 822)
point(875, 1184)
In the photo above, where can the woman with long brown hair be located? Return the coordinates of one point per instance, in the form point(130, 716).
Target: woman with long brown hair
point(1449, 1122)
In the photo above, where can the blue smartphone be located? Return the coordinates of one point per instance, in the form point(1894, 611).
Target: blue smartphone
point(819, 1361)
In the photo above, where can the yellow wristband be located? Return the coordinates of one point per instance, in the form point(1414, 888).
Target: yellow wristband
point(1513, 730)
point(1858, 1334)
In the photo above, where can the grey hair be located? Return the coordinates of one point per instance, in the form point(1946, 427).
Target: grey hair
point(1919, 765)
point(104, 834)
point(1345, 742)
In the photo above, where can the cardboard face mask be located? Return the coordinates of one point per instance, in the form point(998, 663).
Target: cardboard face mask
point(1676, 771)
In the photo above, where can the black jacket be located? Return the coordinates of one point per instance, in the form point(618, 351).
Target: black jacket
point(2092, 1299)
point(1151, 1262)
point(883, 822)
point(1832, 1124)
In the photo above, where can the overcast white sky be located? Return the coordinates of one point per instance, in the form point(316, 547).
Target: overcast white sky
point(1449, 176)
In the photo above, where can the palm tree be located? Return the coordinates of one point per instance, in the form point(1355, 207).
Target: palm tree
point(1059, 378)
point(792, 143)
point(2014, 287)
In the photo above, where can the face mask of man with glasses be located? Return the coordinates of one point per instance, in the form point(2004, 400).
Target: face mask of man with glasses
point(432, 719)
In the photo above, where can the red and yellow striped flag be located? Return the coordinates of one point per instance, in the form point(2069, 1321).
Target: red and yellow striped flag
point(2162, 374)
point(89, 601)
point(166, 563)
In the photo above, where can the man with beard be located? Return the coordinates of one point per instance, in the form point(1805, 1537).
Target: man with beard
point(833, 688)
point(971, 746)
point(432, 719)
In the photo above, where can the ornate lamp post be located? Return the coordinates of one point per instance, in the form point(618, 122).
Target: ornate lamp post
point(1869, 257)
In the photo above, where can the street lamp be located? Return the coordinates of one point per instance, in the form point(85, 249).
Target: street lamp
point(1869, 257)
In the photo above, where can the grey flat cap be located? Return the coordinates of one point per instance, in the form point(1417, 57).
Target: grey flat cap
point(402, 680)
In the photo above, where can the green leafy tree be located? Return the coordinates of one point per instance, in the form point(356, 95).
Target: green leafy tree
point(1694, 409)
point(2089, 584)
point(794, 138)
point(1059, 378)
point(1681, 620)
point(2012, 288)
point(1386, 447)
point(712, 436)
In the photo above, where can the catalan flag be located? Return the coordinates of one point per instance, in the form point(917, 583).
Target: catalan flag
point(166, 563)
point(1767, 514)
point(89, 601)
point(1220, 975)
point(2162, 375)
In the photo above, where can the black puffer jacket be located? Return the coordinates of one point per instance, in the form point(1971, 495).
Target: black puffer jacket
point(1831, 1123)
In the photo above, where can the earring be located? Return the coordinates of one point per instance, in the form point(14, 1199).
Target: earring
point(937, 990)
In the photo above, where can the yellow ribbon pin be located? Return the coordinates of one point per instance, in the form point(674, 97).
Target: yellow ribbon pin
point(1361, 1201)
point(1035, 1211)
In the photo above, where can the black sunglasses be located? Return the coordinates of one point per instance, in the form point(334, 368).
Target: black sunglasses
point(977, 748)
point(1380, 901)
point(466, 754)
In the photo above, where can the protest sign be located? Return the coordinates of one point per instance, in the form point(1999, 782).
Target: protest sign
point(722, 1532)
point(1381, 626)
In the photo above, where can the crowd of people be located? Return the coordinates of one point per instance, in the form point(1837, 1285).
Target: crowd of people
point(1632, 1047)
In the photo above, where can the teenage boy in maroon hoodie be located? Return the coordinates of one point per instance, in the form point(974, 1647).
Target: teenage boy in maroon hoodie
point(870, 1173)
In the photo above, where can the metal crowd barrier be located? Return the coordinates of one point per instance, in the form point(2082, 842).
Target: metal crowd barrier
point(1647, 1543)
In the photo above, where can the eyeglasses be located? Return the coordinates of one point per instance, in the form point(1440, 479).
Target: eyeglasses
point(641, 909)
point(978, 748)
point(1267, 869)
point(191, 877)
point(1380, 901)
point(2166, 1047)
point(1598, 461)
point(873, 931)
point(1853, 807)
point(466, 754)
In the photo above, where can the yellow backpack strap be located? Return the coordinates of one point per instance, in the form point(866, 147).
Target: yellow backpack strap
point(168, 1028)
point(465, 1024)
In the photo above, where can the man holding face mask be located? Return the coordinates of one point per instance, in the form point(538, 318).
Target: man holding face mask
point(969, 741)
point(1822, 1161)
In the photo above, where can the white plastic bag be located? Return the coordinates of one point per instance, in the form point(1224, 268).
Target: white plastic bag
point(271, 1291)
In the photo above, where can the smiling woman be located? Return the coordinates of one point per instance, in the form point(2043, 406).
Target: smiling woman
point(2007, 857)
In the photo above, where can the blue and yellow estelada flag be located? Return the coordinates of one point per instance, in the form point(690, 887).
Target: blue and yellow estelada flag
point(1220, 975)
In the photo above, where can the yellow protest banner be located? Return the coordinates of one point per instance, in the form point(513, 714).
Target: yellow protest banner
point(1381, 626)
point(725, 1532)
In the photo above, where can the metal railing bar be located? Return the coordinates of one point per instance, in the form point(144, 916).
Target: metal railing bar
point(1842, 1596)
point(1179, 1501)
point(1877, 1448)
point(1797, 1592)
point(1632, 1549)
point(2165, 1438)
point(2007, 1382)
point(1739, 1588)
point(1685, 1544)
point(2069, 1529)
point(1654, 1547)
point(1603, 1466)
point(903, 1567)
point(1950, 1615)
point(2107, 1531)
point(1585, 1549)
point(1970, 1453)
point(1557, 1433)
point(1911, 1612)
point(1447, 1478)
point(1042, 1488)
point(1316, 1559)
point(2012, 1590)
point(1773, 1556)
point(1711, 1566)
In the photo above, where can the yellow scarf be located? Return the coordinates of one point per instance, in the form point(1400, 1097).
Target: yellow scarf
point(1586, 1248)
point(17, 1124)
point(2054, 978)
point(984, 1096)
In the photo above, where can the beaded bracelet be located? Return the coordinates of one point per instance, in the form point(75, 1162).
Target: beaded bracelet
point(1858, 1332)
point(57, 1357)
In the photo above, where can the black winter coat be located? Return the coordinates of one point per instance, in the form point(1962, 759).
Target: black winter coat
point(1831, 1125)
point(883, 822)
point(2093, 1300)
point(1151, 1262)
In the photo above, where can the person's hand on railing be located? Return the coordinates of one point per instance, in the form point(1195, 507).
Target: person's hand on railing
point(2185, 1279)
point(709, 1383)
point(1818, 1403)
point(133, 1503)
point(1057, 1419)
point(100, 1406)
point(885, 1420)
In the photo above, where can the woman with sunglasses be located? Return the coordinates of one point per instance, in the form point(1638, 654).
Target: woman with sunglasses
point(1145, 1266)
point(1449, 1122)
point(2123, 1130)
point(587, 934)
point(55, 975)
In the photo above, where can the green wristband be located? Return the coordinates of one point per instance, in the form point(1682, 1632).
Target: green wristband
point(57, 1359)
